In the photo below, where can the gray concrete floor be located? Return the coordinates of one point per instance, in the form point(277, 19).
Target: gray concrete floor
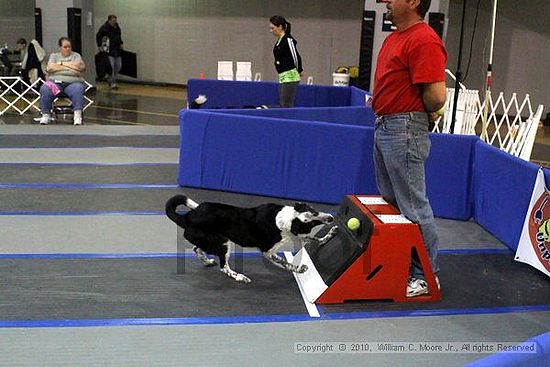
point(92, 220)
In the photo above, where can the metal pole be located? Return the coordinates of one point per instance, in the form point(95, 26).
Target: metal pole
point(458, 73)
point(489, 78)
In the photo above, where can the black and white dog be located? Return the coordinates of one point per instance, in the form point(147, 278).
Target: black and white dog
point(214, 227)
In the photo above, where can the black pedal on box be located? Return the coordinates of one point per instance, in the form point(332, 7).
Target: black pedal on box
point(334, 257)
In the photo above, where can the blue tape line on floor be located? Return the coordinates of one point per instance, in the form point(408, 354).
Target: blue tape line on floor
point(192, 254)
point(79, 214)
point(264, 318)
point(63, 164)
point(475, 251)
point(85, 186)
point(160, 255)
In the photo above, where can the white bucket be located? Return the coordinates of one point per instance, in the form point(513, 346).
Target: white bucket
point(340, 80)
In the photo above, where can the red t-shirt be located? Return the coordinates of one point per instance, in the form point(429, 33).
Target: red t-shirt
point(406, 61)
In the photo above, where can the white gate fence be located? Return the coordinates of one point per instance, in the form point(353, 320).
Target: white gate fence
point(18, 95)
point(509, 124)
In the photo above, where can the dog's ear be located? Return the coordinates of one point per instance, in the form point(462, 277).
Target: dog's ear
point(300, 207)
point(303, 207)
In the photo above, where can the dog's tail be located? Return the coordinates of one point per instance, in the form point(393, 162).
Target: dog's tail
point(173, 203)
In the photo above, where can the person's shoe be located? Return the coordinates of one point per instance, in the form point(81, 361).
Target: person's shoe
point(44, 120)
point(77, 120)
point(418, 287)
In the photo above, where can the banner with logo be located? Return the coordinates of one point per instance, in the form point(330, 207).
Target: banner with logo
point(534, 243)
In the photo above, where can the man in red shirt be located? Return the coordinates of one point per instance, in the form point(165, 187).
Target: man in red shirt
point(409, 93)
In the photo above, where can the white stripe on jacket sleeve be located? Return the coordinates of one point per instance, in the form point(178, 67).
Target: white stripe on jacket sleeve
point(293, 51)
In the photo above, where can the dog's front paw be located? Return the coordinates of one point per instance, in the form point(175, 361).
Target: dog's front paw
point(333, 231)
point(302, 269)
point(242, 278)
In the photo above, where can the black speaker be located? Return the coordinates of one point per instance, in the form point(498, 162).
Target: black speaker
point(437, 22)
point(366, 49)
point(74, 28)
point(38, 25)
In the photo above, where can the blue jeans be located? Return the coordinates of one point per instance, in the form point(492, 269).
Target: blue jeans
point(75, 92)
point(116, 65)
point(401, 146)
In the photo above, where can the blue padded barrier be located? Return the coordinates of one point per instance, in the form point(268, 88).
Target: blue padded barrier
point(361, 116)
point(308, 160)
point(238, 94)
point(358, 96)
point(507, 359)
point(449, 175)
point(502, 188)
point(322, 96)
point(313, 161)
point(233, 94)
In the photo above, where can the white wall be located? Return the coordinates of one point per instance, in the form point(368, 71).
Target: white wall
point(54, 22)
point(16, 21)
point(177, 40)
point(521, 58)
point(54, 26)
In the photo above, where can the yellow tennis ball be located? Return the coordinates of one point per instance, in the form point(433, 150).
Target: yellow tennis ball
point(544, 229)
point(354, 223)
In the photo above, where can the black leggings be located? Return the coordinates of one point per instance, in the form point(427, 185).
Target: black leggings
point(287, 92)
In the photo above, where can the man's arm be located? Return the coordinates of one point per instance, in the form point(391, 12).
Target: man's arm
point(98, 36)
point(434, 96)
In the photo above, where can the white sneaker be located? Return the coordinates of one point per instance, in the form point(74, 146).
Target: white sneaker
point(44, 120)
point(77, 120)
point(418, 287)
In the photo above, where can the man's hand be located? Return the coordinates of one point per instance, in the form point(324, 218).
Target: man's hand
point(433, 116)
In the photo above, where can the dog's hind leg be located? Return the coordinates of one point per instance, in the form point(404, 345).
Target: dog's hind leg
point(272, 256)
point(203, 243)
point(224, 264)
point(201, 255)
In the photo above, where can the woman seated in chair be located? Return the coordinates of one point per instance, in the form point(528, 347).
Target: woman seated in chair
point(64, 76)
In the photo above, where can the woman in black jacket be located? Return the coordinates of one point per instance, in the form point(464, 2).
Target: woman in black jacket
point(288, 61)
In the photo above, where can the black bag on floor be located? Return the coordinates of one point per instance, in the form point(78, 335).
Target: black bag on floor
point(102, 65)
